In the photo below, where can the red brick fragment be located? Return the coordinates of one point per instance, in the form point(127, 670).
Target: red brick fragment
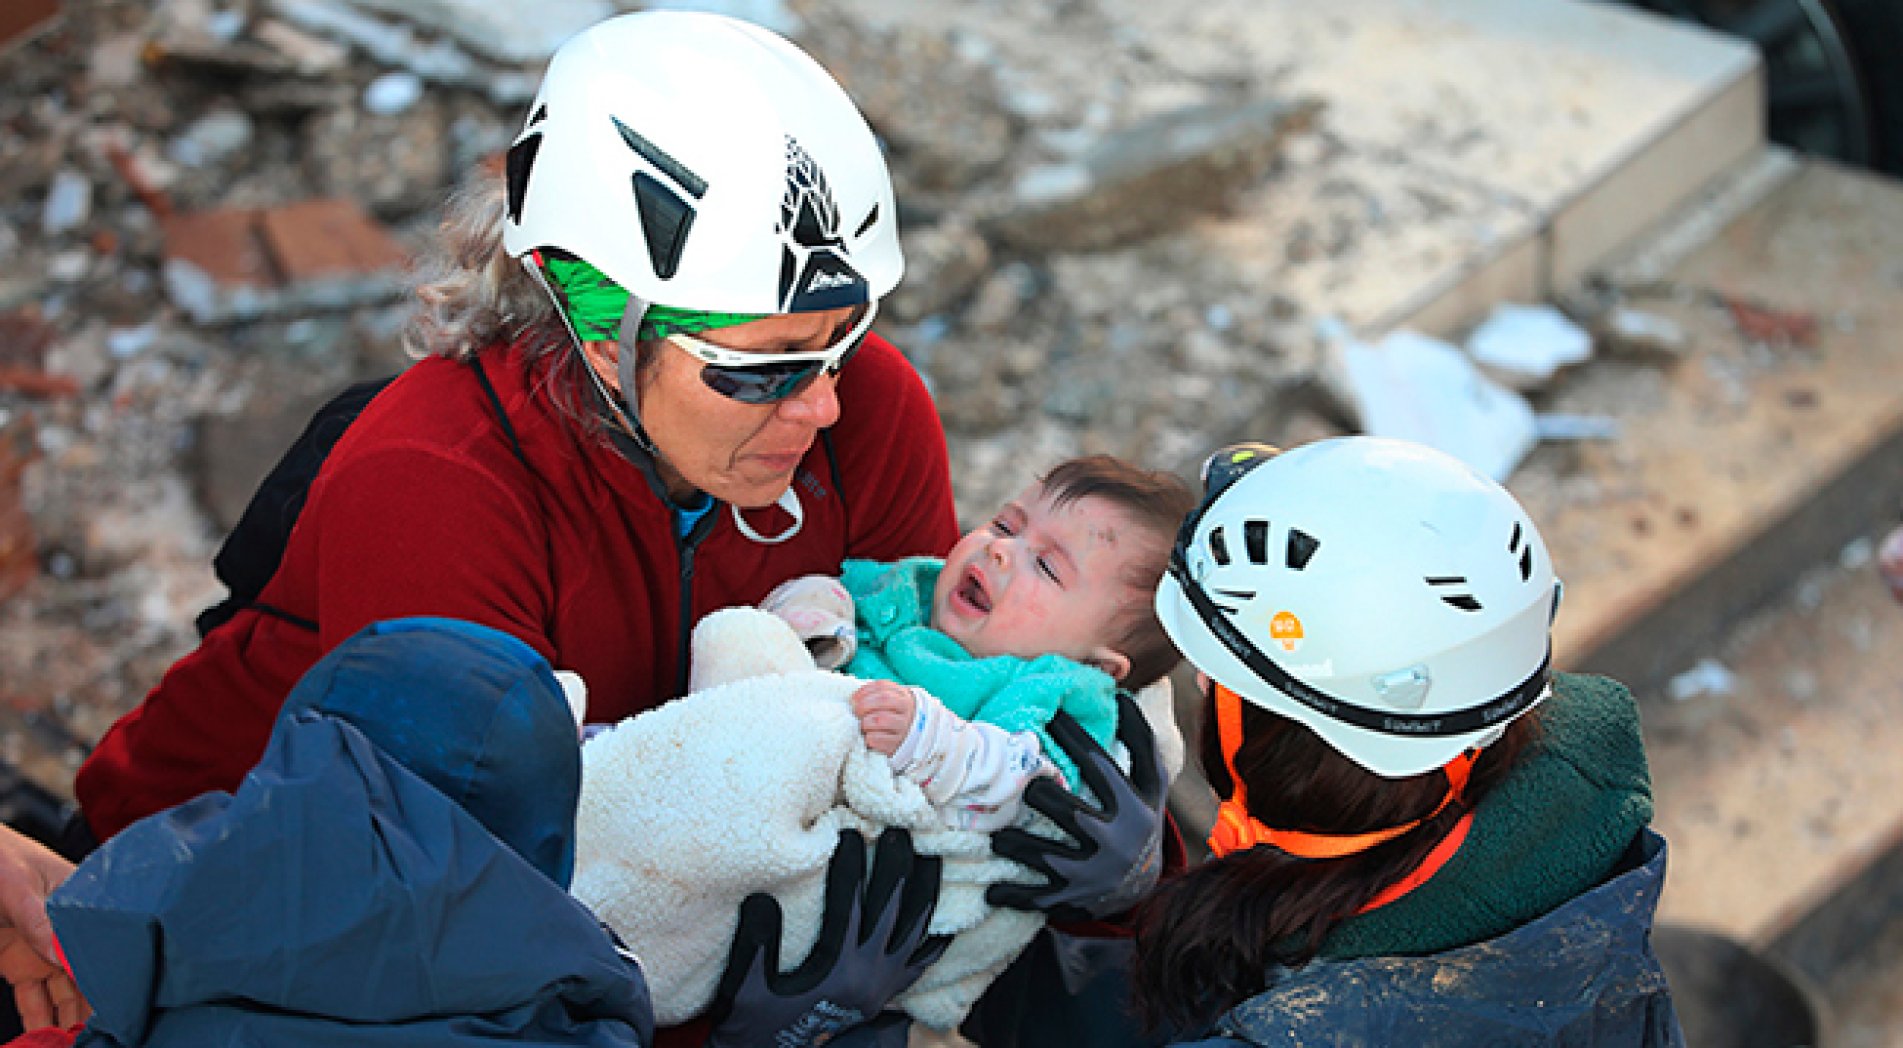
point(322, 239)
point(19, 553)
point(135, 179)
point(36, 383)
point(1776, 326)
point(20, 17)
point(25, 337)
point(223, 244)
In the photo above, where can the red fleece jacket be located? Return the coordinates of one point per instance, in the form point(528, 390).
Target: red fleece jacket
point(423, 508)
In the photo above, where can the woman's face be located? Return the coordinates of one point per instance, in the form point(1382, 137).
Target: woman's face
point(744, 454)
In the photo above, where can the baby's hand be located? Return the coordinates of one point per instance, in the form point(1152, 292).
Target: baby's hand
point(885, 710)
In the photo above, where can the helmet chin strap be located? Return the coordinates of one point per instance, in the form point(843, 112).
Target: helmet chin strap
point(630, 413)
point(623, 406)
point(789, 501)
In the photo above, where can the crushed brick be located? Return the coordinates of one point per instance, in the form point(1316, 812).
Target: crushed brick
point(135, 179)
point(19, 555)
point(36, 383)
point(25, 337)
point(324, 239)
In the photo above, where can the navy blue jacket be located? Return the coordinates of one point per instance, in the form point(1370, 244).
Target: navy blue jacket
point(1582, 975)
point(392, 872)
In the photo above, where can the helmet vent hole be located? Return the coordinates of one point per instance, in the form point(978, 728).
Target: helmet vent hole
point(1239, 596)
point(665, 220)
point(1461, 601)
point(516, 166)
point(695, 185)
point(540, 114)
point(1526, 564)
point(1255, 538)
point(1219, 547)
point(1513, 541)
point(1301, 546)
point(872, 216)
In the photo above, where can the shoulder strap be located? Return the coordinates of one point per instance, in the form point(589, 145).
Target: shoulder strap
point(252, 551)
point(508, 428)
point(839, 487)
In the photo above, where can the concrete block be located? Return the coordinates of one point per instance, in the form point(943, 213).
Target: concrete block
point(1746, 462)
point(1655, 179)
point(1378, 244)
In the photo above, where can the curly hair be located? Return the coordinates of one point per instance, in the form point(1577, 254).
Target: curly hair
point(473, 297)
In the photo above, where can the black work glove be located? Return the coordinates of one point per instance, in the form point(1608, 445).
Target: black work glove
point(872, 945)
point(1117, 851)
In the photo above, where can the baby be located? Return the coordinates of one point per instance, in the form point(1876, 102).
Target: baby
point(964, 661)
point(1046, 607)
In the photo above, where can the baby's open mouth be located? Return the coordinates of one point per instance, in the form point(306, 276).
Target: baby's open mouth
point(971, 591)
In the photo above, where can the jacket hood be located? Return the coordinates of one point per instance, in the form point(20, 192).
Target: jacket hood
point(383, 875)
point(470, 710)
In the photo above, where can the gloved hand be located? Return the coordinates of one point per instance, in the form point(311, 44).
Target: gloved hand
point(872, 945)
point(820, 610)
point(1117, 855)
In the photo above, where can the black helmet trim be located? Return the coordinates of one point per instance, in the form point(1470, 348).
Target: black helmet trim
point(1440, 725)
point(1220, 472)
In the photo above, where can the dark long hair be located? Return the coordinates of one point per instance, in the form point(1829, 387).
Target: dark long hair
point(1206, 939)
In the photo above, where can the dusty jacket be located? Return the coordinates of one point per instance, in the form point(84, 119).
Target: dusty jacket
point(391, 873)
point(1537, 932)
point(1582, 975)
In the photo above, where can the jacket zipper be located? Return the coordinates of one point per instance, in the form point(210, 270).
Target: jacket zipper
point(687, 546)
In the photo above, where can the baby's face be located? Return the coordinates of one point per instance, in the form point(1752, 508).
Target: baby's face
point(1040, 579)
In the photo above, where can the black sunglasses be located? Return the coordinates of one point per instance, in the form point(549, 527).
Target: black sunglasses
point(768, 378)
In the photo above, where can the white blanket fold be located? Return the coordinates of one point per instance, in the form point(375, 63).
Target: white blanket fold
point(743, 786)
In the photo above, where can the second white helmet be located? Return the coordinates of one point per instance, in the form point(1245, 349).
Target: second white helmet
point(1382, 593)
point(704, 163)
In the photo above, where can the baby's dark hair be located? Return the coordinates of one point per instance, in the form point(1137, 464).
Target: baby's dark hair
point(1156, 501)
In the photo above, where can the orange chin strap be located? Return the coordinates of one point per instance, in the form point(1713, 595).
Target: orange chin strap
point(1236, 830)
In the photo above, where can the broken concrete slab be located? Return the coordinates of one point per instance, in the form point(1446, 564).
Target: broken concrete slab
point(1523, 346)
point(504, 30)
point(437, 60)
point(242, 263)
point(1147, 179)
point(943, 262)
point(1741, 464)
point(1413, 387)
point(938, 108)
point(395, 165)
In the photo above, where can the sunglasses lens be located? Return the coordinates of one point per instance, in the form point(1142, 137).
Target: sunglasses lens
point(758, 385)
point(770, 383)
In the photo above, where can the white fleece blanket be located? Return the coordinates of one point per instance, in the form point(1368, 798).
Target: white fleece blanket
point(743, 786)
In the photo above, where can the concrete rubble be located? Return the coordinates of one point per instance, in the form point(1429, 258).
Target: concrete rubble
point(208, 208)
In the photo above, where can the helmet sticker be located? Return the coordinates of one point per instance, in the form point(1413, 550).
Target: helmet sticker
point(1285, 629)
point(814, 273)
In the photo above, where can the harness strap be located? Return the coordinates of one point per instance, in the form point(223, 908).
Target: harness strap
point(1237, 830)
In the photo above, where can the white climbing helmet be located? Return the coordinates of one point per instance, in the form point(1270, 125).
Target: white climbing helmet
point(1384, 594)
point(705, 163)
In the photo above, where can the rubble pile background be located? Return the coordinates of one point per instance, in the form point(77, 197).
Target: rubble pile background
point(205, 208)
